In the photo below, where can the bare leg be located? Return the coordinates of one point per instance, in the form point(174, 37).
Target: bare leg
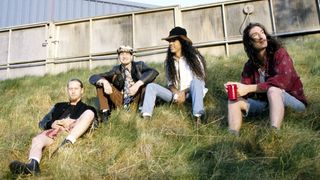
point(82, 124)
point(38, 143)
point(276, 106)
point(235, 115)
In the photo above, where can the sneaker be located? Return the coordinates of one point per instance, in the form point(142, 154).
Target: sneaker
point(17, 167)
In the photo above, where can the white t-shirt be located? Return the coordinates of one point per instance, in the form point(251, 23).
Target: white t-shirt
point(185, 75)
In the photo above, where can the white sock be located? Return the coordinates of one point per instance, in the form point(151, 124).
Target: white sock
point(146, 114)
point(197, 115)
point(38, 160)
point(71, 138)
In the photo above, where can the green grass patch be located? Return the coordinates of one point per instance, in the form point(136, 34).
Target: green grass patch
point(168, 147)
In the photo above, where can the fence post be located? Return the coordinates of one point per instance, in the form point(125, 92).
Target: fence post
point(177, 16)
point(225, 30)
point(318, 2)
point(133, 31)
point(90, 43)
point(51, 47)
point(274, 28)
point(9, 54)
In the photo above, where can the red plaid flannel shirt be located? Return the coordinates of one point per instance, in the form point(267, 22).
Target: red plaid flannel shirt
point(279, 73)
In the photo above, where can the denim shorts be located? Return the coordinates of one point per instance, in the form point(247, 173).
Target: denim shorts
point(257, 107)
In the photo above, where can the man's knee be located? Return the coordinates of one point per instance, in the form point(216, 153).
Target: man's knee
point(274, 91)
point(151, 86)
point(87, 115)
point(241, 103)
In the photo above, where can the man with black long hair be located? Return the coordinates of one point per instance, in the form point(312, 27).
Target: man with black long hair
point(269, 81)
point(185, 73)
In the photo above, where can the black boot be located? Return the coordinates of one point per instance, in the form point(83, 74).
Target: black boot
point(105, 116)
point(17, 167)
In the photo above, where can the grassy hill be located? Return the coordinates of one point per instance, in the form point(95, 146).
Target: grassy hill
point(168, 147)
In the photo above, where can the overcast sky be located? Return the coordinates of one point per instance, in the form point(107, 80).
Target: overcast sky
point(182, 3)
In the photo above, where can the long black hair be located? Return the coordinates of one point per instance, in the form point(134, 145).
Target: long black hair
point(192, 56)
point(252, 53)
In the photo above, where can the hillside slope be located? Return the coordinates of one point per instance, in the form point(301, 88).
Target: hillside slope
point(168, 147)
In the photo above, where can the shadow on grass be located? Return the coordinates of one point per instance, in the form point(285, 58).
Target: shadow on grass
point(227, 160)
point(260, 154)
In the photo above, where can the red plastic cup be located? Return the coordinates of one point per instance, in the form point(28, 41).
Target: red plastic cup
point(232, 92)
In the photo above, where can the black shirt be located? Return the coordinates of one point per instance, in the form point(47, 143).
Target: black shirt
point(63, 110)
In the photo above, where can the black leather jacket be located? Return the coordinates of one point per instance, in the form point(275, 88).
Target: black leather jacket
point(139, 71)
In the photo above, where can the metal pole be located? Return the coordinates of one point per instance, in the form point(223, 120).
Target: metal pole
point(9, 54)
point(225, 30)
point(177, 16)
point(90, 43)
point(318, 10)
point(133, 31)
point(274, 28)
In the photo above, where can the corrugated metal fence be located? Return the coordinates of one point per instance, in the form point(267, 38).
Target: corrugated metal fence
point(215, 29)
point(18, 12)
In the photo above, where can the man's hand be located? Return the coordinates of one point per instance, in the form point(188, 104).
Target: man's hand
point(57, 124)
point(106, 86)
point(173, 89)
point(243, 89)
point(135, 87)
point(63, 123)
point(181, 97)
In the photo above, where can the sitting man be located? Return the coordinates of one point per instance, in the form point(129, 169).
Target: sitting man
point(269, 81)
point(185, 71)
point(124, 84)
point(74, 117)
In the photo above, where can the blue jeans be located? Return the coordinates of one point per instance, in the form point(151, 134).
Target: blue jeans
point(153, 91)
point(256, 107)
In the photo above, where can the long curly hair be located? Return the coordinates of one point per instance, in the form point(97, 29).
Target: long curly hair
point(192, 56)
point(252, 53)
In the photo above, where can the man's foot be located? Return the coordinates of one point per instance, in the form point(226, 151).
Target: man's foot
point(197, 122)
point(146, 116)
point(17, 167)
point(234, 132)
point(105, 116)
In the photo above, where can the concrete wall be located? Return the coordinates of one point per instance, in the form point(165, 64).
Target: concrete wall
point(215, 29)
